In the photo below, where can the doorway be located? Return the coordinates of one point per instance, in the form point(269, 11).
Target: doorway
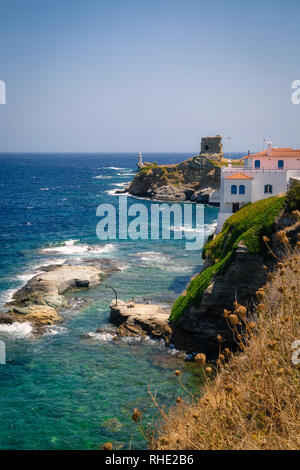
point(235, 206)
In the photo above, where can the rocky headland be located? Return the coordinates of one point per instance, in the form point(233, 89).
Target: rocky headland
point(196, 179)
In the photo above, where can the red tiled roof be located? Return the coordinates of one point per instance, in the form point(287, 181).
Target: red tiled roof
point(276, 152)
point(238, 176)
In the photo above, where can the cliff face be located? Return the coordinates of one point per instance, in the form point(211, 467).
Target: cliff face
point(198, 327)
point(197, 316)
point(194, 179)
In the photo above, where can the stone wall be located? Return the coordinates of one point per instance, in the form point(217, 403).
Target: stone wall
point(212, 144)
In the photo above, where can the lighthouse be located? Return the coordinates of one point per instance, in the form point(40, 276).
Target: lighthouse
point(140, 163)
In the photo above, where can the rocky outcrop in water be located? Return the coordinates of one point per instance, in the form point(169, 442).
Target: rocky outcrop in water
point(195, 179)
point(42, 298)
point(135, 319)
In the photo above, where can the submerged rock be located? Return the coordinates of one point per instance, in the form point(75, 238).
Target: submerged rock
point(112, 425)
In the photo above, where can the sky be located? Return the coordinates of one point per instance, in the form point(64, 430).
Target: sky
point(148, 75)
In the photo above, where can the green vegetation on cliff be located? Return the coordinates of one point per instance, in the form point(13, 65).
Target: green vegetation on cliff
point(292, 202)
point(251, 400)
point(248, 225)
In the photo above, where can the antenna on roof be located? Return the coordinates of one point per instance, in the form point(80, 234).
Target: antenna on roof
point(264, 142)
point(229, 140)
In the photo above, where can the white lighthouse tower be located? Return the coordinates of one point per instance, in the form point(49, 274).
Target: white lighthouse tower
point(140, 163)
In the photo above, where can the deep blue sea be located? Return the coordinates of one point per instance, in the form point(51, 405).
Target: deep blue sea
point(62, 391)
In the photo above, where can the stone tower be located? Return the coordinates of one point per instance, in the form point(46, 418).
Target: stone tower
point(212, 144)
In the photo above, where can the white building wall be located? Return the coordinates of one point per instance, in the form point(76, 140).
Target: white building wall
point(277, 178)
point(241, 198)
point(254, 188)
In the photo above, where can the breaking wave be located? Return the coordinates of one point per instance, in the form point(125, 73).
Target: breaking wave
point(16, 329)
point(71, 247)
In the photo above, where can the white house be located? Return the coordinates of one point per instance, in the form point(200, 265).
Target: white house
point(263, 174)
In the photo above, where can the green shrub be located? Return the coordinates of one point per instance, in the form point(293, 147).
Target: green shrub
point(292, 202)
point(249, 224)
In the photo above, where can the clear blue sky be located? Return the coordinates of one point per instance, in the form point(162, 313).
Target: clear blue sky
point(116, 75)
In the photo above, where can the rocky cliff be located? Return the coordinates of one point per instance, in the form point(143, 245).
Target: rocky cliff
point(237, 263)
point(195, 179)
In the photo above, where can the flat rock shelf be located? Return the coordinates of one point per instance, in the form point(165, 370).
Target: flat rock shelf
point(135, 319)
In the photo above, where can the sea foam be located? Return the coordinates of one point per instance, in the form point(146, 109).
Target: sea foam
point(16, 329)
point(70, 247)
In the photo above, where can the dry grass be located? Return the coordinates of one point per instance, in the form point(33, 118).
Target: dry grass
point(251, 400)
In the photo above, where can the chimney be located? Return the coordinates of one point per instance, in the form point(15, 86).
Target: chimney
point(269, 148)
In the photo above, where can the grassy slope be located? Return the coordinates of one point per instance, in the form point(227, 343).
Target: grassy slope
point(249, 225)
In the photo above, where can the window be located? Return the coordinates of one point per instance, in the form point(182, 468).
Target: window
point(280, 163)
point(268, 189)
point(233, 189)
point(257, 164)
point(242, 189)
point(206, 147)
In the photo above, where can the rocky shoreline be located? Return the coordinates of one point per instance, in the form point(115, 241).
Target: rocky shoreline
point(41, 300)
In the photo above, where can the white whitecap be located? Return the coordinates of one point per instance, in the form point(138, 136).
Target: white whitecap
point(210, 228)
point(113, 168)
point(183, 228)
point(55, 330)
point(102, 177)
point(16, 329)
point(104, 337)
point(70, 247)
point(153, 256)
point(121, 184)
point(113, 192)
point(7, 295)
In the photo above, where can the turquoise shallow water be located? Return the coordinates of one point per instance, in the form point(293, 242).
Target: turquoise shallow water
point(59, 390)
